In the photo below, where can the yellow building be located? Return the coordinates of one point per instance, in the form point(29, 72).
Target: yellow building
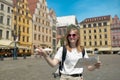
point(95, 34)
point(22, 26)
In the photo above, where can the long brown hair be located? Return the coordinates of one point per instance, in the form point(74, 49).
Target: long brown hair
point(78, 46)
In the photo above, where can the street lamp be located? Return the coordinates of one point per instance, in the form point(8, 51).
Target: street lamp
point(14, 34)
point(16, 37)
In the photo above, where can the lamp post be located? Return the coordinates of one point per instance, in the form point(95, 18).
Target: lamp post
point(16, 37)
point(14, 33)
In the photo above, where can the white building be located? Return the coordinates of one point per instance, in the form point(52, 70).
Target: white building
point(66, 20)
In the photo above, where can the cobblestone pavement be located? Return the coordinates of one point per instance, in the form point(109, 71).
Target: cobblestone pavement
point(38, 69)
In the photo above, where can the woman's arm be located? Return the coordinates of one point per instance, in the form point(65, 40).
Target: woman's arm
point(52, 62)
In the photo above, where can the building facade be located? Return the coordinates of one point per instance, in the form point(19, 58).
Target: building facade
point(95, 33)
point(42, 30)
point(6, 7)
point(53, 21)
point(115, 34)
point(22, 26)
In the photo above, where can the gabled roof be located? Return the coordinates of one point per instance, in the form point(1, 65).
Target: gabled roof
point(66, 20)
point(32, 4)
point(95, 19)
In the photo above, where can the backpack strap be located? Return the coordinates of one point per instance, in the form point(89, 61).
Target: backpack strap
point(63, 58)
point(83, 53)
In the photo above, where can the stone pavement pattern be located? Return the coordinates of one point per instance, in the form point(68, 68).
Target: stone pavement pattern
point(38, 69)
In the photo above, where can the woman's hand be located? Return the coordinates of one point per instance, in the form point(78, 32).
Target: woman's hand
point(97, 65)
point(42, 52)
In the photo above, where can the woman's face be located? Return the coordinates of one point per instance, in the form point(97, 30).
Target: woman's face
point(73, 37)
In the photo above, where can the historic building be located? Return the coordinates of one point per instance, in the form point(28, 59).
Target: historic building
point(22, 26)
point(6, 7)
point(53, 21)
point(95, 34)
point(5, 19)
point(115, 34)
point(42, 25)
point(62, 24)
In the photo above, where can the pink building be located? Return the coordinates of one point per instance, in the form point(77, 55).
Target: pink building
point(115, 32)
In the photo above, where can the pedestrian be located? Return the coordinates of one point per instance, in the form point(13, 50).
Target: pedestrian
point(74, 53)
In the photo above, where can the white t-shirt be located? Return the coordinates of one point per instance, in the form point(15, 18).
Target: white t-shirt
point(70, 61)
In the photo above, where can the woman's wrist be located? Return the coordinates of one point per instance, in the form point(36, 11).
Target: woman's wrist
point(45, 55)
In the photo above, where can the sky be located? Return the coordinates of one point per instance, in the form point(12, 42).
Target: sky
point(85, 8)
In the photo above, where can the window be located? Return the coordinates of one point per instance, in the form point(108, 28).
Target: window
point(39, 37)
point(89, 31)
point(84, 26)
point(59, 32)
point(1, 19)
point(84, 43)
point(100, 37)
point(94, 31)
point(0, 34)
point(89, 25)
point(35, 27)
point(54, 34)
point(89, 37)
point(27, 39)
point(8, 21)
point(100, 42)
point(23, 29)
point(105, 42)
point(64, 30)
point(23, 38)
point(100, 30)
point(2, 7)
point(105, 30)
point(95, 43)
point(8, 10)
point(27, 30)
point(42, 38)
point(90, 43)
point(104, 23)
point(85, 37)
point(7, 34)
point(35, 36)
point(84, 32)
point(15, 17)
point(95, 37)
point(105, 35)
point(99, 24)
point(94, 25)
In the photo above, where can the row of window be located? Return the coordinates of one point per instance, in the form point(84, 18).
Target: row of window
point(2, 7)
point(24, 38)
point(96, 43)
point(7, 34)
point(95, 25)
point(91, 37)
point(42, 29)
point(95, 31)
point(21, 20)
point(42, 38)
point(2, 18)
point(42, 21)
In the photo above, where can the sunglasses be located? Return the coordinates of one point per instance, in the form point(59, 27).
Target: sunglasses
point(72, 35)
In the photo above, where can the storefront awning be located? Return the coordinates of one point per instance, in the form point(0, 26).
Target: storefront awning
point(23, 47)
point(7, 44)
point(104, 49)
point(116, 49)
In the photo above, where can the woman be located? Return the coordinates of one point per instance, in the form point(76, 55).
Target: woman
point(74, 52)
